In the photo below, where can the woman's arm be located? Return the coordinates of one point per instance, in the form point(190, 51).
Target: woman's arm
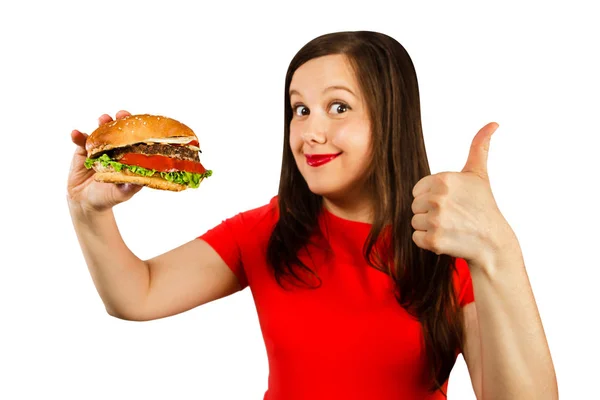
point(515, 357)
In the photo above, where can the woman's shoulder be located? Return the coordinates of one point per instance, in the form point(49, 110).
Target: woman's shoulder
point(263, 216)
point(247, 226)
point(260, 211)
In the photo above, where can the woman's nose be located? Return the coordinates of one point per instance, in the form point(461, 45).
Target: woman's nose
point(312, 137)
point(315, 133)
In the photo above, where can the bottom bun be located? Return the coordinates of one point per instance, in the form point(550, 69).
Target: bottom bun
point(154, 182)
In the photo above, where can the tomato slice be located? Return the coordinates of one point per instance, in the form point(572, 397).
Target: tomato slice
point(162, 163)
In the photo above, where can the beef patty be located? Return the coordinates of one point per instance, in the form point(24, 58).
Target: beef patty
point(179, 152)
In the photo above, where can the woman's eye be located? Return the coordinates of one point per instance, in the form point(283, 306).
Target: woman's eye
point(339, 107)
point(303, 110)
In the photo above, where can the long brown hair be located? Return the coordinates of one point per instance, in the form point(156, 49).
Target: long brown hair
point(423, 279)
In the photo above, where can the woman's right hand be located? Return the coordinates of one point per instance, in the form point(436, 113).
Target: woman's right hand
point(82, 190)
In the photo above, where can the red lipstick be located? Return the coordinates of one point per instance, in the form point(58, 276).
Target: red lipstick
point(316, 160)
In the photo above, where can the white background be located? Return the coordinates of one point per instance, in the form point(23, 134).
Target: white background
point(533, 68)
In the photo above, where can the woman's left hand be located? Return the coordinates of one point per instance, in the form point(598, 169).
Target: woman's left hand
point(456, 213)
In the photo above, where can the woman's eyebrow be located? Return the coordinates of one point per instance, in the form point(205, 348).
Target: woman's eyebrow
point(338, 87)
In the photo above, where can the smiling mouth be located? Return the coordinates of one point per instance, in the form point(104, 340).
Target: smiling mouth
point(316, 160)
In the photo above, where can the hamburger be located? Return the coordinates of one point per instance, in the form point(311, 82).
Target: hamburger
point(148, 150)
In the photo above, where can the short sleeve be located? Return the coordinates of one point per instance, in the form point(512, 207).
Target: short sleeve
point(464, 287)
point(465, 284)
point(223, 238)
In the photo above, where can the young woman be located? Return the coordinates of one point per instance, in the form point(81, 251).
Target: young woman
point(365, 267)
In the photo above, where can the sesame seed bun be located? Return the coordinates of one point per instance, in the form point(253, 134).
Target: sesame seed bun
point(136, 129)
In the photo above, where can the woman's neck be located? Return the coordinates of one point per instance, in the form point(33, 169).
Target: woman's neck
point(359, 210)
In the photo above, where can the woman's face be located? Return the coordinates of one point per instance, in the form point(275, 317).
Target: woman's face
point(330, 131)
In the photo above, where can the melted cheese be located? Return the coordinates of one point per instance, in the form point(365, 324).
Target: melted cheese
point(175, 140)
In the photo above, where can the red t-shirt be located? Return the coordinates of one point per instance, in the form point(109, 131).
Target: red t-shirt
point(348, 339)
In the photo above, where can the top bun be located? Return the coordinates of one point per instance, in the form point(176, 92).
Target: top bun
point(134, 129)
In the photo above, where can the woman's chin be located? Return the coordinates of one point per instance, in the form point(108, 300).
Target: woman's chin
point(325, 190)
point(334, 190)
point(319, 189)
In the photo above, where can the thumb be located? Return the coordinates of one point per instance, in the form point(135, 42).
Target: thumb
point(478, 154)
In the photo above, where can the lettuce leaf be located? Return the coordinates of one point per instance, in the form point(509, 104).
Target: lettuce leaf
point(190, 179)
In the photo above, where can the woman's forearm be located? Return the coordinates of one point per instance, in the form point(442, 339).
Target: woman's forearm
point(120, 277)
point(516, 358)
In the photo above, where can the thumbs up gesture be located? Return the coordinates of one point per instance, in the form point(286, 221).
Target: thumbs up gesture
point(455, 213)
